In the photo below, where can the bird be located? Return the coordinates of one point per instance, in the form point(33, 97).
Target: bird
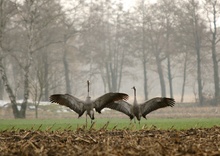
point(80, 106)
point(141, 110)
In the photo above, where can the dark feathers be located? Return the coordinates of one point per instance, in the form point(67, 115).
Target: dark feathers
point(122, 106)
point(154, 104)
point(80, 106)
point(141, 110)
point(102, 101)
point(69, 101)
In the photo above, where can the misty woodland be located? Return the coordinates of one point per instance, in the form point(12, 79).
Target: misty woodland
point(170, 47)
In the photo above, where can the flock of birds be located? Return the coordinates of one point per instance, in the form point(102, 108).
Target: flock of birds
point(115, 101)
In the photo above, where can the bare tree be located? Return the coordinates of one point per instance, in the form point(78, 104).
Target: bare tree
point(197, 30)
point(73, 25)
point(168, 21)
point(103, 43)
point(140, 40)
point(212, 9)
point(157, 42)
point(7, 11)
point(30, 26)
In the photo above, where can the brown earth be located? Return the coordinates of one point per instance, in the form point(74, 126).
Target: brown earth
point(203, 141)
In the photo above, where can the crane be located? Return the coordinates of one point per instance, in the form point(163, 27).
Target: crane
point(141, 110)
point(88, 105)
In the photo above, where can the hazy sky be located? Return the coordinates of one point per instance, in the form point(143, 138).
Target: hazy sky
point(130, 3)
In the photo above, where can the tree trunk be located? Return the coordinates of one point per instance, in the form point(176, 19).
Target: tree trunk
point(66, 70)
point(214, 58)
point(1, 90)
point(170, 76)
point(46, 71)
point(37, 103)
point(197, 42)
point(168, 57)
point(2, 27)
point(108, 77)
point(144, 52)
point(161, 77)
point(113, 78)
point(103, 76)
point(9, 90)
point(216, 75)
point(120, 71)
point(184, 78)
point(145, 79)
point(36, 111)
point(199, 77)
point(198, 51)
point(26, 88)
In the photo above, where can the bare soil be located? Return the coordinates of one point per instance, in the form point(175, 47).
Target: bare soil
point(202, 141)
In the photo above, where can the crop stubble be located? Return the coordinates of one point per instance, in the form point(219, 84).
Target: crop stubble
point(200, 141)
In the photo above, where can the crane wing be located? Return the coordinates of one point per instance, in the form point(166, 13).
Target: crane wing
point(156, 103)
point(69, 101)
point(105, 99)
point(121, 106)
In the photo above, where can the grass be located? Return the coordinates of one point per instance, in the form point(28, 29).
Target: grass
point(60, 124)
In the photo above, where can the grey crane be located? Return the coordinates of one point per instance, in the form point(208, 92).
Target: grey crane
point(80, 106)
point(141, 110)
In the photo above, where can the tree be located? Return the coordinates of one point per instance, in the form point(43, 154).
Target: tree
point(7, 10)
point(168, 20)
point(72, 26)
point(31, 20)
point(157, 42)
point(192, 29)
point(103, 43)
point(140, 42)
point(212, 9)
point(197, 30)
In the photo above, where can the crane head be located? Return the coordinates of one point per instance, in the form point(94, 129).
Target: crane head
point(88, 82)
point(133, 88)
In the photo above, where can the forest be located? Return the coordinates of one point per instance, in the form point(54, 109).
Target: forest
point(167, 48)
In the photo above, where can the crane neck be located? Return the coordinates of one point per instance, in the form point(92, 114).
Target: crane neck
point(135, 98)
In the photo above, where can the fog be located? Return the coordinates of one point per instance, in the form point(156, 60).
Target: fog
point(163, 48)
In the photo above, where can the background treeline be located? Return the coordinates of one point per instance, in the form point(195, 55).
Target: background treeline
point(51, 46)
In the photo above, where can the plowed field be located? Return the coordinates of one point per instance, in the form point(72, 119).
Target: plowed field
point(201, 141)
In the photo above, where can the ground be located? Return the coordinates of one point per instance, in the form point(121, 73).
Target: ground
point(116, 142)
point(202, 141)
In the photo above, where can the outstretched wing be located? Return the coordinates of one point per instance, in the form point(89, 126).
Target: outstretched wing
point(105, 99)
point(156, 103)
point(121, 106)
point(69, 101)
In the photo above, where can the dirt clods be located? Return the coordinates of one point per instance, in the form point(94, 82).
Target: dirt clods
point(200, 141)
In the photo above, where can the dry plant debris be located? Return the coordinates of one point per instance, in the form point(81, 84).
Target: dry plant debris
point(200, 141)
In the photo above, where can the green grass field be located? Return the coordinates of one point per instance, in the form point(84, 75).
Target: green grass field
point(72, 124)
